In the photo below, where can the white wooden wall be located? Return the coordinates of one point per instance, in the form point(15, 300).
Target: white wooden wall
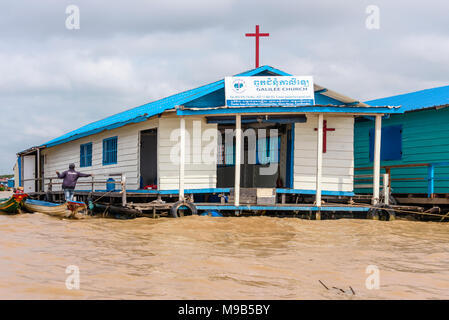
point(197, 173)
point(338, 161)
point(57, 158)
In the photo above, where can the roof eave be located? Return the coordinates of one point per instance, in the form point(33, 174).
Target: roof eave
point(182, 111)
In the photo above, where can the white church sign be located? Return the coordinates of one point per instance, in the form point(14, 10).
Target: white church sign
point(269, 91)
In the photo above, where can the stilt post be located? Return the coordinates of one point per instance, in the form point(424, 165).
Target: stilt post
point(386, 182)
point(319, 159)
point(38, 169)
point(238, 143)
point(376, 173)
point(430, 181)
point(182, 156)
point(123, 183)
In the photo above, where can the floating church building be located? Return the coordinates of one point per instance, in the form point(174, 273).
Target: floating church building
point(302, 130)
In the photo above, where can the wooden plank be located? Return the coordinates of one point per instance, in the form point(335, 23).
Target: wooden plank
point(414, 200)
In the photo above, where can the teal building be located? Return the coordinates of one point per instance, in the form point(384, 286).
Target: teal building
point(415, 144)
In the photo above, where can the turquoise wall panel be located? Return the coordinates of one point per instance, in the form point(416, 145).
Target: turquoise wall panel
point(425, 139)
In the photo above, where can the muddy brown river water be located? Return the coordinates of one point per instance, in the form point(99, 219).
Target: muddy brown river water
point(222, 258)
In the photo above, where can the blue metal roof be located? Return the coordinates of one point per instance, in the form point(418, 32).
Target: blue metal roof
point(150, 109)
point(206, 95)
point(415, 100)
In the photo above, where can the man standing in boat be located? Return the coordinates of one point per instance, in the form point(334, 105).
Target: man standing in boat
point(70, 178)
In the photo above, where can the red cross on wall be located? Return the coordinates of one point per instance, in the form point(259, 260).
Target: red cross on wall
point(257, 35)
point(325, 130)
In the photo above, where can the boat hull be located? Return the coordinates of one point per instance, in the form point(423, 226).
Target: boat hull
point(64, 210)
point(13, 205)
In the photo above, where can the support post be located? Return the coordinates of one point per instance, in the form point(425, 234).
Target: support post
point(238, 143)
point(388, 171)
point(376, 173)
point(182, 156)
point(22, 183)
point(430, 181)
point(38, 155)
point(123, 183)
point(386, 188)
point(319, 160)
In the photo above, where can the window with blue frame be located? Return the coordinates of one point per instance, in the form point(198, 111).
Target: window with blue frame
point(267, 151)
point(110, 151)
point(225, 152)
point(229, 154)
point(391, 143)
point(86, 155)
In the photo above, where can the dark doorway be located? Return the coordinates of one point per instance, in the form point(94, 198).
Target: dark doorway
point(251, 175)
point(148, 157)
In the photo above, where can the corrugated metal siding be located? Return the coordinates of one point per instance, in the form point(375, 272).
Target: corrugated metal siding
point(425, 139)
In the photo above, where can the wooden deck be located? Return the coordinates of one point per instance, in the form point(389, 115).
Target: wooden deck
point(281, 207)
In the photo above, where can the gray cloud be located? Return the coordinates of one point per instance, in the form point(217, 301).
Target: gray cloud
point(127, 53)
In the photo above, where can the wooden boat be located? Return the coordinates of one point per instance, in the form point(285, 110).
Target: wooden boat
point(14, 204)
point(69, 209)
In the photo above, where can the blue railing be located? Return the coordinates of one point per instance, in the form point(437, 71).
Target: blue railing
point(431, 177)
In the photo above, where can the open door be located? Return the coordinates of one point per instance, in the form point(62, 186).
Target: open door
point(29, 173)
point(148, 158)
point(266, 171)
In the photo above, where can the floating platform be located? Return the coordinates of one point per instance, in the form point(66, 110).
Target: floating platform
point(276, 202)
point(281, 207)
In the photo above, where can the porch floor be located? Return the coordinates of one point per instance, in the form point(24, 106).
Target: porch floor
point(280, 207)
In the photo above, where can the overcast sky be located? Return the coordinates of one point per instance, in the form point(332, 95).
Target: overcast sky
point(127, 53)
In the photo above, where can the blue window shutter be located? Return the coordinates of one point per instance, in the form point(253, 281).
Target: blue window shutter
point(110, 151)
point(89, 155)
point(391, 143)
point(86, 155)
point(82, 156)
point(114, 150)
point(104, 151)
